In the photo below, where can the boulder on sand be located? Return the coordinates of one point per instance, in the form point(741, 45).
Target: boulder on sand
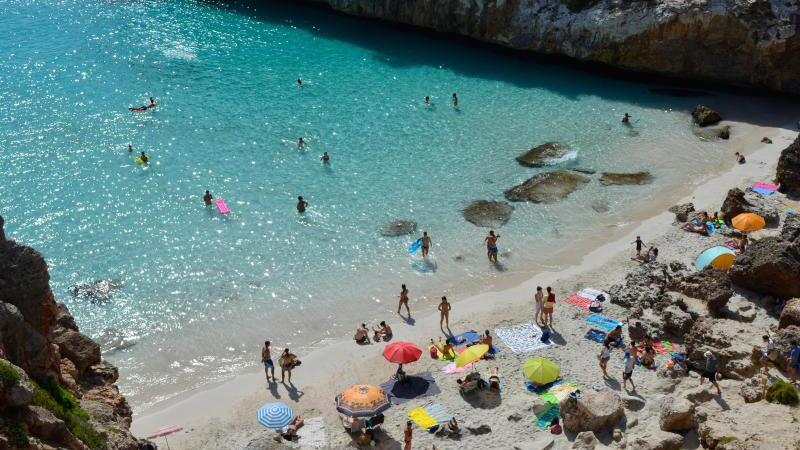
point(677, 414)
point(593, 411)
point(489, 214)
point(738, 201)
point(712, 133)
point(728, 340)
point(611, 178)
point(544, 155)
point(788, 170)
point(399, 228)
point(705, 116)
point(682, 211)
point(790, 315)
point(548, 187)
point(769, 266)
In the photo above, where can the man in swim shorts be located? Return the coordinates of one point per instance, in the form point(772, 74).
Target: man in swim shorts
point(491, 246)
point(207, 198)
point(301, 205)
point(710, 371)
point(266, 359)
point(325, 158)
point(426, 244)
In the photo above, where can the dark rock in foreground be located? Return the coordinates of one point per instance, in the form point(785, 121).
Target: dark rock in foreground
point(489, 214)
point(705, 116)
point(399, 228)
point(611, 178)
point(543, 155)
point(547, 187)
point(788, 171)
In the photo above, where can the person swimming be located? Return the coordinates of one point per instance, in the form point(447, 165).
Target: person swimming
point(325, 158)
point(143, 158)
point(491, 245)
point(207, 198)
point(130, 148)
point(301, 205)
point(144, 108)
point(301, 143)
point(626, 118)
point(455, 100)
point(427, 99)
point(299, 82)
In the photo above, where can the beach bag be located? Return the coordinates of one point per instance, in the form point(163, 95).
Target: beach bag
point(545, 335)
point(434, 353)
point(595, 306)
point(296, 363)
point(600, 298)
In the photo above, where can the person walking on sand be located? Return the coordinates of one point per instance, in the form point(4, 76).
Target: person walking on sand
point(266, 359)
point(407, 434)
point(491, 246)
point(710, 371)
point(538, 300)
point(426, 244)
point(794, 361)
point(444, 313)
point(404, 300)
point(207, 198)
point(629, 362)
point(548, 306)
point(605, 355)
point(301, 205)
point(455, 100)
point(288, 361)
point(766, 355)
point(639, 246)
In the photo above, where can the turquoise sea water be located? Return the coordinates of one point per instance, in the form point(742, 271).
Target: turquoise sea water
point(200, 291)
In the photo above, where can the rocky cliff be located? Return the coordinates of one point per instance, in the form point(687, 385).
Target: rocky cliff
point(744, 42)
point(55, 391)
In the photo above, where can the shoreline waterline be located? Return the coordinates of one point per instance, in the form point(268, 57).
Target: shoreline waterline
point(226, 396)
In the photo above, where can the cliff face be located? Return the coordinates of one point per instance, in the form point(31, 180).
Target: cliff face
point(55, 391)
point(742, 42)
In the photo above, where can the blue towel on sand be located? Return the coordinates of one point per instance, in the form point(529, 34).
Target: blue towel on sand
point(596, 335)
point(543, 421)
point(468, 337)
point(602, 322)
point(539, 389)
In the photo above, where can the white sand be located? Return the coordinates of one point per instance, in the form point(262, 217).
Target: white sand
point(223, 416)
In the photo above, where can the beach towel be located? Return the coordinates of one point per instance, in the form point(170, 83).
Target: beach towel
point(312, 434)
point(733, 245)
point(580, 302)
point(596, 335)
point(592, 294)
point(451, 368)
point(544, 419)
point(764, 188)
point(602, 322)
point(468, 337)
point(538, 389)
point(522, 338)
point(413, 386)
point(559, 392)
point(421, 417)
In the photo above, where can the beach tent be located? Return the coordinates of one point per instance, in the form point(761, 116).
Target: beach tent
point(540, 370)
point(719, 257)
point(748, 222)
point(362, 400)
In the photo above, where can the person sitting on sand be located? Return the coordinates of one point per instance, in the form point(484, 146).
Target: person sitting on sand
point(448, 351)
point(207, 198)
point(384, 331)
point(362, 334)
point(487, 340)
point(614, 337)
point(494, 379)
point(555, 427)
point(290, 431)
point(651, 255)
point(740, 158)
point(545, 339)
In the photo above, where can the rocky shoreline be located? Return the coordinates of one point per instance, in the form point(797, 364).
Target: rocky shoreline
point(55, 390)
point(724, 41)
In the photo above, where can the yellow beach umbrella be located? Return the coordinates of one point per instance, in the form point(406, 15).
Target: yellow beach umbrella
point(540, 370)
point(471, 354)
point(748, 222)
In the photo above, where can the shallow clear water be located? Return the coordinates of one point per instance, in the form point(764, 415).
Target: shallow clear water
point(200, 291)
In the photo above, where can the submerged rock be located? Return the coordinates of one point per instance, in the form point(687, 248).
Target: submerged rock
point(399, 228)
point(611, 178)
point(788, 171)
point(489, 214)
point(705, 116)
point(584, 170)
point(548, 187)
point(98, 291)
point(543, 155)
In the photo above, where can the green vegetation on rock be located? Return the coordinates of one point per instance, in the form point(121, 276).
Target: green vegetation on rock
point(8, 375)
point(783, 393)
point(14, 431)
point(50, 395)
point(726, 440)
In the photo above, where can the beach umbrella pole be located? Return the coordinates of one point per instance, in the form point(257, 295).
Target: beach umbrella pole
point(167, 441)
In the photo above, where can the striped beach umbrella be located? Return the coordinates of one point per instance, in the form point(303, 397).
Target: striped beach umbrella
point(275, 415)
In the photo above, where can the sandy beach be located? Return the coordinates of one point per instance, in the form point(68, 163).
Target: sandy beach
point(223, 416)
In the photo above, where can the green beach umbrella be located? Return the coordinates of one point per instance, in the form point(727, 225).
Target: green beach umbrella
point(540, 370)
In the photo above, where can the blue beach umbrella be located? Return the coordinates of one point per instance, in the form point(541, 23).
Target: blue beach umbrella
point(275, 415)
point(719, 257)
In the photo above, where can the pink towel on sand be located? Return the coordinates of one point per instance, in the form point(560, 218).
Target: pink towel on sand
point(580, 302)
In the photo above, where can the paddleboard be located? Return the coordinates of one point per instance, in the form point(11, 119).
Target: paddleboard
point(415, 246)
point(222, 206)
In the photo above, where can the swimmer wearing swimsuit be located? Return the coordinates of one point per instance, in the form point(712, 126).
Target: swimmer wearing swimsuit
point(426, 243)
point(491, 245)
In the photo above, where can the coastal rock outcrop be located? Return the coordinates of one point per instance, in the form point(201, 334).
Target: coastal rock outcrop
point(710, 285)
point(727, 340)
point(593, 411)
point(738, 201)
point(98, 291)
point(489, 214)
point(729, 41)
point(677, 414)
point(712, 133)
point(788, 171)
point(655, 440)
point(52, 378)
point(705, 116)
point(399, 228)
point(790, 315)
point(611, 178)
point(544, 155)
point(682, 211)
point(548, 187)
point(770, 265)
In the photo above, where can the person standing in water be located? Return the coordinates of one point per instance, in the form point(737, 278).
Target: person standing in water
point(266, 359)
point(626, 118)
point(299, 82)
point(427, 99)
point(404, 300)
point(144, 158)
point(301, 205)
point(301, 143)
point(325, 158)
point(207, 198)
point(455, 100)
point(491, 245)
point(426, 244)
point(444, 313)
point(130, 149)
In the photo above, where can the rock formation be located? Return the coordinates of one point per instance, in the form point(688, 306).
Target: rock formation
point(548, 187)
point(771, 265)
point(729, 41)
point(788, 171)
point(705, 116)
point(484, 213)
point(98, 291)
point(738, 201)
point(76, 404)
point(610, 178)
point(594, 411)
point(543, 155)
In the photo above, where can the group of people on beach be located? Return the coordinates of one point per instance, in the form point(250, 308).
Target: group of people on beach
point(287, 362)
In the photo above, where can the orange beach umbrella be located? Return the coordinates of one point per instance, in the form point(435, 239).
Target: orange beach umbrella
point(748, 222)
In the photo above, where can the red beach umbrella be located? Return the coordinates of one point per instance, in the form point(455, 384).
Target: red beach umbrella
point(402, 352)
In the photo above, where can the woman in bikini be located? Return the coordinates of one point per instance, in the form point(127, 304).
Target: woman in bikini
point(404, 300)
point(444, 310)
